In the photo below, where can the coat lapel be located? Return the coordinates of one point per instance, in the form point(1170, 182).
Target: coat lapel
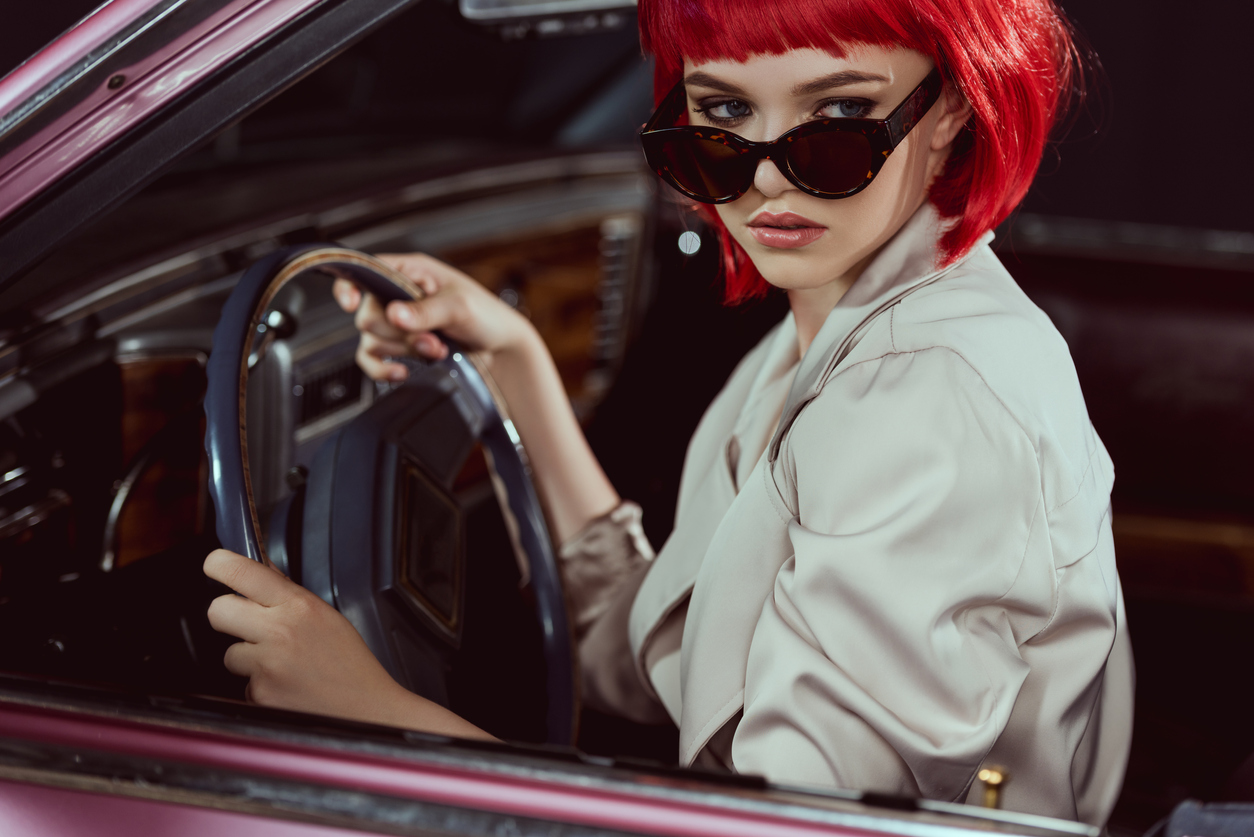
point(729, 544)
point(706, 494)
point(738, 572)
point(671, 577)
point(761, 411)
point(906, 263)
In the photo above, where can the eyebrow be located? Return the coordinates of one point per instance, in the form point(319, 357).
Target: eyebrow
point(841, 79)
point(818, 85)
point(707, 80)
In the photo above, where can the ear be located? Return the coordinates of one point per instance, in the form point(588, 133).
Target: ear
point(955, 113)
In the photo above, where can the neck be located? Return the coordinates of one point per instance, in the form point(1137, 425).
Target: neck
point(810, 306)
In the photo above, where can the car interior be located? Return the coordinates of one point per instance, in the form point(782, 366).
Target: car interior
point(479, 144)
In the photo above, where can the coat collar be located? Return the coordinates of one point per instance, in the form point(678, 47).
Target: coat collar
point(907, 262)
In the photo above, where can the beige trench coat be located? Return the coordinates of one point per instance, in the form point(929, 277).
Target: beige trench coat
point(892, 560)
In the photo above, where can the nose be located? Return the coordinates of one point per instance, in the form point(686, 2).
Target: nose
point(769, 180)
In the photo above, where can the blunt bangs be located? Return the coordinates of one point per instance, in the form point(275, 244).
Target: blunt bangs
point(711, 30)
point(1015, 62)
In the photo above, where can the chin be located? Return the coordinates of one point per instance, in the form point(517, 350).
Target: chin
point(796, 277)
point(795, 270)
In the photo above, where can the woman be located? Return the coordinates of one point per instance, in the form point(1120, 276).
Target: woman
point(892, 560)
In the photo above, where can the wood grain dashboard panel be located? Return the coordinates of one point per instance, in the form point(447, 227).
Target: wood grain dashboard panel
point(553, 279)
point(161, 500)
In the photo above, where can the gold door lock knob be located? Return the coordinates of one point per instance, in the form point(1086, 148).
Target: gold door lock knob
point(994, 779)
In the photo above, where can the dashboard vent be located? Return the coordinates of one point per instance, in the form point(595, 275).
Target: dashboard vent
point(329, 390)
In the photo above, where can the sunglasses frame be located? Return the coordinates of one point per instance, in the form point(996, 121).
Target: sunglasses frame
point(884, 136)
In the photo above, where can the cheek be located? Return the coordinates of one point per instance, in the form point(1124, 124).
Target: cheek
point(913, 161)
point(734, 216)
point(901, 184)
point(863, 223)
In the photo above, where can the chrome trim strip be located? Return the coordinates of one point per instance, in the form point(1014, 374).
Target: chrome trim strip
point(34, 514)
point(499, 10)
point(14, 479)
point(1128, 241)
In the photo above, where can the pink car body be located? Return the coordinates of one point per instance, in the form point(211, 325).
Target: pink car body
point(76, 807)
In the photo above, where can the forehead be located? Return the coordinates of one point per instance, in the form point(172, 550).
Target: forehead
point(786, 69)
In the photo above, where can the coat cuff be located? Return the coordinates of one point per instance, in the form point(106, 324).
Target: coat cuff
point(593, 563)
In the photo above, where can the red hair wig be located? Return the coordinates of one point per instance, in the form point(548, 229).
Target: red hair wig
point(1013, 60)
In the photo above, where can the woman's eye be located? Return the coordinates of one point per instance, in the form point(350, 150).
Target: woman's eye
point(726, 111)
point(845, 109)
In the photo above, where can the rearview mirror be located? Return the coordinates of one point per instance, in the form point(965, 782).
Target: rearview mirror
point(546, 18)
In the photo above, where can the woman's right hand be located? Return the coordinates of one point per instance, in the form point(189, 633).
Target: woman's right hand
point(571, 483)
point(455, 305)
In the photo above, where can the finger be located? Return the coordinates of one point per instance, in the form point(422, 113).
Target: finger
point(378, 369)
point(423, 343)
point(241, 659)
point(346, 294)
point(370, 319)
point(258, 582)
point(429, 346)
point(424, 271)
point(238, 617)
point(380, 348)
point(430, 314)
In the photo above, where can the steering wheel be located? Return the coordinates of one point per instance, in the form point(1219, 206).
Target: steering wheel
point(375, 529)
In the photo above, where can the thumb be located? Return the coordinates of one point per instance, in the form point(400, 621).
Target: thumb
point(346, 294)
point(434, 312)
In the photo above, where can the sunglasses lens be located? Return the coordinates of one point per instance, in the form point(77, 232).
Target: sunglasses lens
point(831, 161)
point(705, 168)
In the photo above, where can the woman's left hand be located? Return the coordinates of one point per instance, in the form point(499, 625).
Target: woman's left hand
point(298, 652)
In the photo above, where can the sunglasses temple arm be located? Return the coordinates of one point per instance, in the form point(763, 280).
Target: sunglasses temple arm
point(669, 111)
point(914, 108)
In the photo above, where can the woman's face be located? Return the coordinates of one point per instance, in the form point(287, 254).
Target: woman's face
point(797, 241)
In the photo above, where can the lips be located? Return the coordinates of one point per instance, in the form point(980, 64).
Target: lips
point(785, 231)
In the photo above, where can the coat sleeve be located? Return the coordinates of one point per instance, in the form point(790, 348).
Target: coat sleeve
point(594, 563)
point(886, 657)
point(602, 567)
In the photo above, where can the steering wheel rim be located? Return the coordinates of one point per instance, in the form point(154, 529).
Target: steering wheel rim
point(230, 486)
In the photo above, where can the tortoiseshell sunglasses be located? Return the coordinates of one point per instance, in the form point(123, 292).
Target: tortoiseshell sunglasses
point(827, 158)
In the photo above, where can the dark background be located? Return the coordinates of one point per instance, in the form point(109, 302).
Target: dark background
point(1166, 137)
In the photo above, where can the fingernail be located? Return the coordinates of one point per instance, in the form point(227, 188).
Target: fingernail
point(398, 373)
point(403, 315)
